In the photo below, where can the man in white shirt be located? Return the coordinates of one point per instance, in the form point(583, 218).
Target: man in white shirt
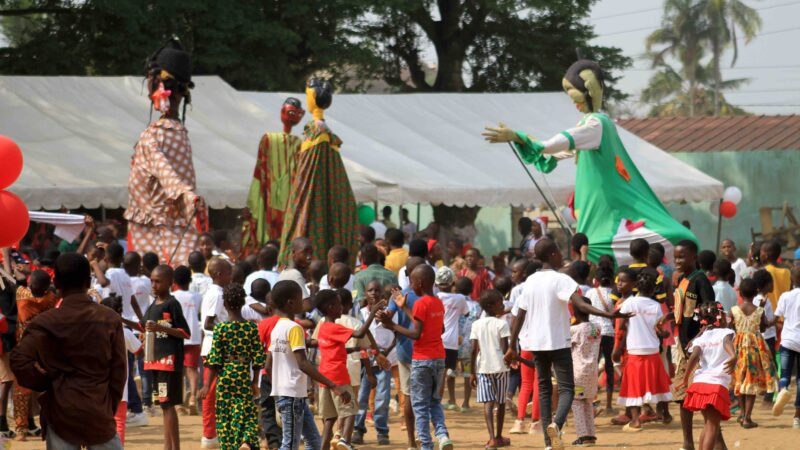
point(337, 254)
point(200, 281)
point(544, 314)
point(255, 304)
point(267, 259)
point(728, 252)
point(302, 252)
point(789, 310)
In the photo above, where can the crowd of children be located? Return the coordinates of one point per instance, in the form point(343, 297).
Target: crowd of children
point(258, 351)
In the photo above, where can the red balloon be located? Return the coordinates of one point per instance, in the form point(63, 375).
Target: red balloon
point(12, 162)
point(727, 209)
point(15, 220)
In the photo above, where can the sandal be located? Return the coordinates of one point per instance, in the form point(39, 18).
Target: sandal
point(585, 440)
point(629, 429)
point(621, 419)
point(503, 441)
point(490, 445)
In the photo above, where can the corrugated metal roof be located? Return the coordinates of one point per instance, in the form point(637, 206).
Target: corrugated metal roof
point(708, 134)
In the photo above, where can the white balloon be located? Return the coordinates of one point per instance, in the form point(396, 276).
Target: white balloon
point(732, 194)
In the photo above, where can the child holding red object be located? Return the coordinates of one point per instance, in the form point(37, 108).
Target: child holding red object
point(713, 351)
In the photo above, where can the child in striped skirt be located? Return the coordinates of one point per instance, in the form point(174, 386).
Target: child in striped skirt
point(489, 337)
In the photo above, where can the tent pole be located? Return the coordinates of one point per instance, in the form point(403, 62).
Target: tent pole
point(550, 205)
point(102, 213)
point(418, 224)
point(719, 225)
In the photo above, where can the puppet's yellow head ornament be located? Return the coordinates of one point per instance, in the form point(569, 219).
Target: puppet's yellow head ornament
point(319, 96)
point(583, 82)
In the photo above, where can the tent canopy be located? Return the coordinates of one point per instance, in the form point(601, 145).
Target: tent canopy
point(77, 136)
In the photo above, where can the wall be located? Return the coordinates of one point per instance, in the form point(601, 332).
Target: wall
point(766, 178)
point(493, 225)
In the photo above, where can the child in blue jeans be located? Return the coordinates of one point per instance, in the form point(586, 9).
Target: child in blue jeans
point(287, 363)
point(427, 358)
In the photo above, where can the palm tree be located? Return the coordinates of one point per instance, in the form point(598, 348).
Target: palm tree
point(670, 94)
point(724, 17)
point(684, 29)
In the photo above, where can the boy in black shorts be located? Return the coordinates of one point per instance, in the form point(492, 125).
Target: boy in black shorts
point(165, 318)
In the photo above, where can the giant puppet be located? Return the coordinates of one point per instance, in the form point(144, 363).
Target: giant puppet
point(613, 203)
point(163, 207)
point(272, 180)
point(321, 203)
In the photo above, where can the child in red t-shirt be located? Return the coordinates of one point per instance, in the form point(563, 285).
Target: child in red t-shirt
point(427, 357)
point(331, 338)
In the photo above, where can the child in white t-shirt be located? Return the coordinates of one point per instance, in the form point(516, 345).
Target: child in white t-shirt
point(190, 304)
point(789, 310)
point(713, 351)
point(489, 337)
point(116, 281)
point(644, 379)
point(455, 306)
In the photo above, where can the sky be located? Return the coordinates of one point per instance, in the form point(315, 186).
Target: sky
point(771, 60)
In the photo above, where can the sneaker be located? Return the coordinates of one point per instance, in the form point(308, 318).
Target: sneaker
point(796, 423)
point(209, 442)
point(137, 420)
point(357, 438)
point(518, 427)
point(35, 431)
point(450, 406)
point(344, 445)
point(780, 402)
point(383, 439)
point(445, 443)
point(555, 437)
point(536, 427)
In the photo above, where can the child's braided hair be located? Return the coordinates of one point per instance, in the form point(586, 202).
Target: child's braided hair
point(710, 314)
point(233, 296)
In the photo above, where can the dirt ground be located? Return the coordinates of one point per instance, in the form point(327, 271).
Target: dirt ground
point(468, 431)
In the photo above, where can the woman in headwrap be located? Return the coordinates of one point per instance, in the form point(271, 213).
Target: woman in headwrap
point(162, 201)
point(321, 204)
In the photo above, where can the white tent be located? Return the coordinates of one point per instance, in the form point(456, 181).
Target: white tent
point(429, 148)
point(77, 136)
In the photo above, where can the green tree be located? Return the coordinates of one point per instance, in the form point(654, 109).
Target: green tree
point(684, 30)
point(725, 16)
point(482, 46)
point(670, 94)
point(263, 45)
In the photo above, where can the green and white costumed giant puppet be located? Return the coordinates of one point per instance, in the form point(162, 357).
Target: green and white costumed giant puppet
point(613, 203)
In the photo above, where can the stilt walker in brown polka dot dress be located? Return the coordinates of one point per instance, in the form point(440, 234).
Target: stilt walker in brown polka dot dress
point(163, 209)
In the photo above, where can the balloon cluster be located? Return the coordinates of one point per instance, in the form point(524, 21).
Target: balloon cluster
point(14, 213)
point(730, 199)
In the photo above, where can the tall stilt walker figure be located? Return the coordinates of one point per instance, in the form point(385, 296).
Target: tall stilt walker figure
point(272, 180)
point(613, 202)
point(321, 203)
point(164, 212)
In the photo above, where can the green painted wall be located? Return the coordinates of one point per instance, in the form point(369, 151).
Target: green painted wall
point(493, 225)
point(766, 178)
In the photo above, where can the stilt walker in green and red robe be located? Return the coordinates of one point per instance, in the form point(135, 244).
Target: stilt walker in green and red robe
point(321, 204)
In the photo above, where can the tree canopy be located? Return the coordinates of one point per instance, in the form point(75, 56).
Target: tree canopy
point(479, 45)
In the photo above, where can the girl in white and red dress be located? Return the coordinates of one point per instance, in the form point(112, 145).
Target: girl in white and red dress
point(713, 350)
point(644, 380)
